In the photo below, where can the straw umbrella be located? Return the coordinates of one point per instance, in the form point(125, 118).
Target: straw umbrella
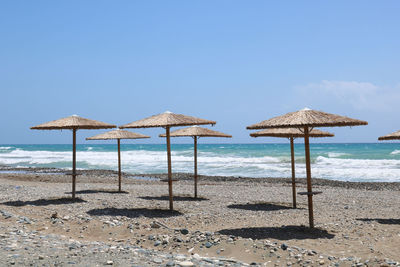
point(168, 120)
point(291, 133)
point(392, 136)
point(196, 132)
point(306, 119)
point(118, 135)
point(73, 123)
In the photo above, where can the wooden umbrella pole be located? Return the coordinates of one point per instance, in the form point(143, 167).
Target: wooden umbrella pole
point(119, 165)
point(293, 172)
point(195, 166)
point(73, 162)
point(308, 169)
point(171, 201)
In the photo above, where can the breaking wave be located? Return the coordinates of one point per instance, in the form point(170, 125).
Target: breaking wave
point(213, 161)
point(395, 152)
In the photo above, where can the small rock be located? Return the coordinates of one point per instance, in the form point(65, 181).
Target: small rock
point(157, 260)
point(154, 225)
point(208, 245)
point(5, 214)
point(109, 262)
point(284, 246)
point(184, 231)
point(185, 263)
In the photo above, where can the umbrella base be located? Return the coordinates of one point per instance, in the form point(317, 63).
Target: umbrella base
point(166, 180)
point(309, 193)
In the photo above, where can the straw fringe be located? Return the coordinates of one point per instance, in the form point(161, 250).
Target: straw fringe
point(290, 132)
point(117, 134)
point(307, 117)
point(392, 136)
point(167, 119)
point(72, 122)
point(196, 131)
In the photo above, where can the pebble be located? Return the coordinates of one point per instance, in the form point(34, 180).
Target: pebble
point(185, 263)
point(157, 260)
point(184, 231)
point(6, 214)
point(180, 257)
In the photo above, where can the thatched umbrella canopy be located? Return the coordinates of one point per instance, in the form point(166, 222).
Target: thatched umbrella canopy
point(392, 136)
point(118, 135)
point(290, 133)
point(306, 119)
point(73, 123)
point(196, 132)
point(168, 120)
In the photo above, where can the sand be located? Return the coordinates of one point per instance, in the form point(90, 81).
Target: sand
point(243, 219)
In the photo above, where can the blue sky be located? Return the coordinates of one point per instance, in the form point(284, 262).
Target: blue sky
point(236, 62)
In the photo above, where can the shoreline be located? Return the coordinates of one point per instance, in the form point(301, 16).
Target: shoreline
point(103, 173)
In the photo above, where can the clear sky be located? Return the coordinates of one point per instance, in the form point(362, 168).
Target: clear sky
point(236, 62)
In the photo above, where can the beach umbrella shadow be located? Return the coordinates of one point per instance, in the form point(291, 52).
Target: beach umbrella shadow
point(44, 202)
point(280, 233)
point(176, 198)
point(135, 213)
point(99, 191)
point(380, 220)
point(261, 206)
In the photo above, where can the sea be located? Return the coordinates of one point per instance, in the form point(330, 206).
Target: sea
point(364, 162)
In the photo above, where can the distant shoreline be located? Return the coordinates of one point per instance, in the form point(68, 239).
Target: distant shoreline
point(267, 139)
point(108, 175)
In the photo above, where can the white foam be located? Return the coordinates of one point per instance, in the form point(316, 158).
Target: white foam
point(336, 154)
point(356, 169)
point(211, 163)
point(395, 152)
point(5, 147)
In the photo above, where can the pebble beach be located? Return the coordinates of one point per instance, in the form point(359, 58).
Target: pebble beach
point(235, 221)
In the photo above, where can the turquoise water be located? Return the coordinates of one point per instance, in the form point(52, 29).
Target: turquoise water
point(347, 162)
